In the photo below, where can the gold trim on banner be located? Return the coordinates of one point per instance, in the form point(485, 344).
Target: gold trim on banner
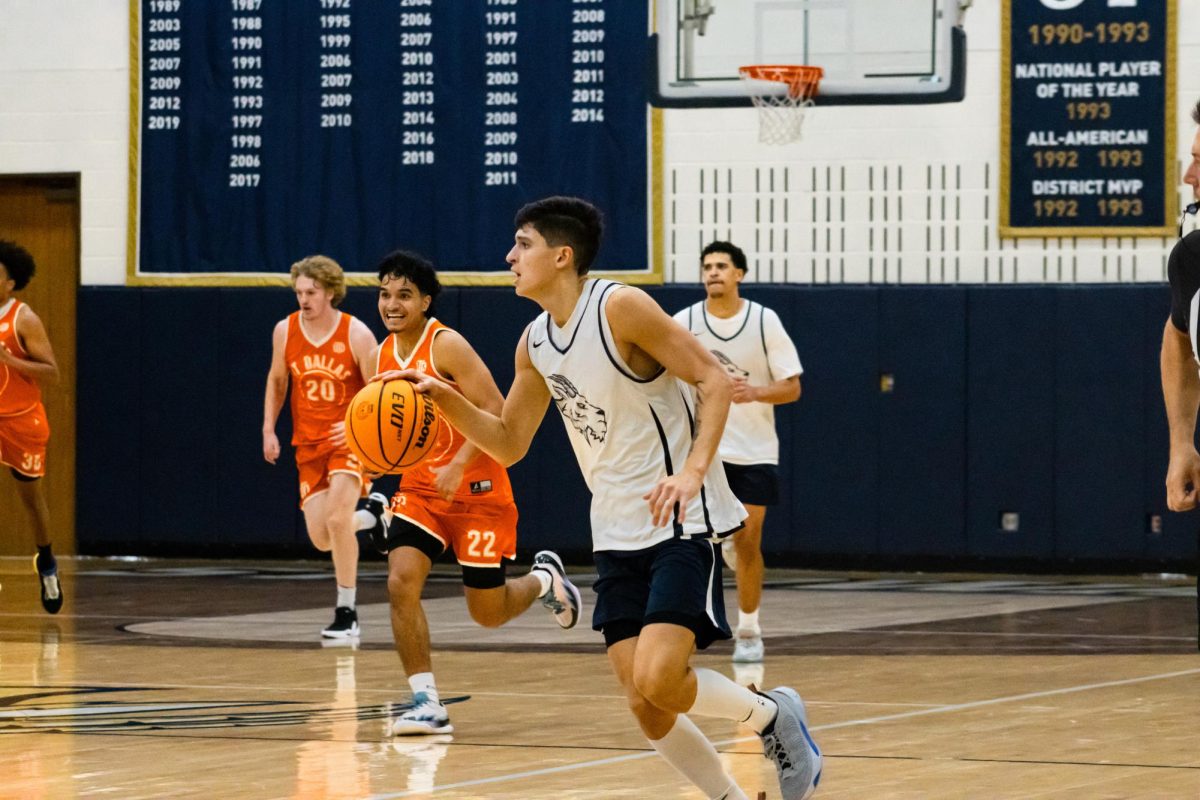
point(1170, 142)
point(1005, 110)
point(135, 111)
point(1172, 179)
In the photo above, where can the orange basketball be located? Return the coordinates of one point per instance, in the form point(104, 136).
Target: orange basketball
point(391, 427)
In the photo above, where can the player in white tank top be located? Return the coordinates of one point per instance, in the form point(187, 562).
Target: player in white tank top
point(750, 342)
point(627, 431)
point(658, 595)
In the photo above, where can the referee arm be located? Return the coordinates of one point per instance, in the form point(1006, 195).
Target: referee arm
point(1181, 395)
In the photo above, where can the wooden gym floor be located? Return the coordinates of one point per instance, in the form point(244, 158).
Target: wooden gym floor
point(209, 680)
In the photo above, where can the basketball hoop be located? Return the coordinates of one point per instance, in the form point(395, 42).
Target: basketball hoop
point(780, 116)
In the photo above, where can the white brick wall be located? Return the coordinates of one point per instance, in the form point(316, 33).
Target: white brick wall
point(885, 194)
point(889, 194)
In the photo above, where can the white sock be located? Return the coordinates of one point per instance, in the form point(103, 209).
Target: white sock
point(423, 682)
point(544, 579)
point(691, 753)
point(346, 596)
point(718, 696)
point(748, 621)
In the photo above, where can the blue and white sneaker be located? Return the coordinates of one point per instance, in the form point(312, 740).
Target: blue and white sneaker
point(425, 717)
point(788, 743)
point(748, 647)
point(563, 599)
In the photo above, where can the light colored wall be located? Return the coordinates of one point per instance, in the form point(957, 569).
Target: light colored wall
point(890, 195)
point(64, 107)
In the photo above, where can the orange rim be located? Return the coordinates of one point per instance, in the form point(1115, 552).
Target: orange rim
point(802, 80)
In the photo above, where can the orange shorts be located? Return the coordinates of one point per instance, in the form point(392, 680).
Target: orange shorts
point(316, 462)
point(480, 534)
point(23, 439)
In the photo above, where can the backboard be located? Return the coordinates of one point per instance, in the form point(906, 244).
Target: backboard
point(872, 51)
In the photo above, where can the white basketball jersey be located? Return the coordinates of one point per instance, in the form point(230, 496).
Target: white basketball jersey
point(627, 432)
point(751, 344)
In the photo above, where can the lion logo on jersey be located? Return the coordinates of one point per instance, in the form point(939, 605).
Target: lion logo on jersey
point(585, 417)
point(733, 369)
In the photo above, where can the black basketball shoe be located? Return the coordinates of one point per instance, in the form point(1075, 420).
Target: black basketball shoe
point(51, 588)
point(344, 625)
point(376, 530)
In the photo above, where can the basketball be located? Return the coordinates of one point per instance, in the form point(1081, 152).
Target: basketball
point(390, 427)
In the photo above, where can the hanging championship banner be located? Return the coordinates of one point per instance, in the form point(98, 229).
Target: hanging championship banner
point(264, 131)
point(1088, 118)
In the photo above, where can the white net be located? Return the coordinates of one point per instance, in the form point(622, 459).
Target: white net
point(781, 114)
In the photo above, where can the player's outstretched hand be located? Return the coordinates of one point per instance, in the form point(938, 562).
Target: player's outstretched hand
point(670, 493)
point(1183, 480)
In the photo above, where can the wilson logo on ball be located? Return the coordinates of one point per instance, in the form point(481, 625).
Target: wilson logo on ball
point(390, 427)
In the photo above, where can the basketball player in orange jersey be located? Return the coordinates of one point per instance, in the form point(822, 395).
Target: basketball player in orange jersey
point(455, 498)
point(327, 355)
point(26, 360)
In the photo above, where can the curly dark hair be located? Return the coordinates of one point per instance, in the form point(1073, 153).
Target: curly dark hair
point(17, 263)
point(728, 248)
point(416, 268)
point(1196, 113)
point(566, 221)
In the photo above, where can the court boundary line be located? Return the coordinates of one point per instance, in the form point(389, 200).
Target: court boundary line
point(832, 726)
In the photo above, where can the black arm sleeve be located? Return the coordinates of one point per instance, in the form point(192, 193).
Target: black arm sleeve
point(1183, 272)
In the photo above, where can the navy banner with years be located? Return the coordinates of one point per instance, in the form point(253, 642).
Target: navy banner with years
point(270, 130)
point(1087, 108)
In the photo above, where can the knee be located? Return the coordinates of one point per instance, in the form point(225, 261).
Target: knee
point(339, 525)
point(320, 539)
point(486, 606)
point(642, 709)
point(403, 588)
point(654, 687)
point(486, 617)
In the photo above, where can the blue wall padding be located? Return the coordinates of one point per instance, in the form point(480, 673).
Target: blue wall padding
point(1010, 421)
point(922, 431)
point(1100, 410)
point(110, 384)
point(1040, 400)
point(830, 471)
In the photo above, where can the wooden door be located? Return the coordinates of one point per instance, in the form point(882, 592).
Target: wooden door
point(41, 213)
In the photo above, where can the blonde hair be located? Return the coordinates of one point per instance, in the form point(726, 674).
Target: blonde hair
point(325, 272)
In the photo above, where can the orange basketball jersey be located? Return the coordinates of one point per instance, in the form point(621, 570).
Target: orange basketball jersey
point(18, 391)
point(483, 479)
point(325, 378)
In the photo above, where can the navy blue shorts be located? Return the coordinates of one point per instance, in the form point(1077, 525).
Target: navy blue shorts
point(756, 484)
point(677, 581)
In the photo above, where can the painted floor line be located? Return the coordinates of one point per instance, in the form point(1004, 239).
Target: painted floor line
point(847, 724)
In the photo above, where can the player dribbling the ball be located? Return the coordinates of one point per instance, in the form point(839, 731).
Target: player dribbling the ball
point(455, 498)
point(390, 427)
